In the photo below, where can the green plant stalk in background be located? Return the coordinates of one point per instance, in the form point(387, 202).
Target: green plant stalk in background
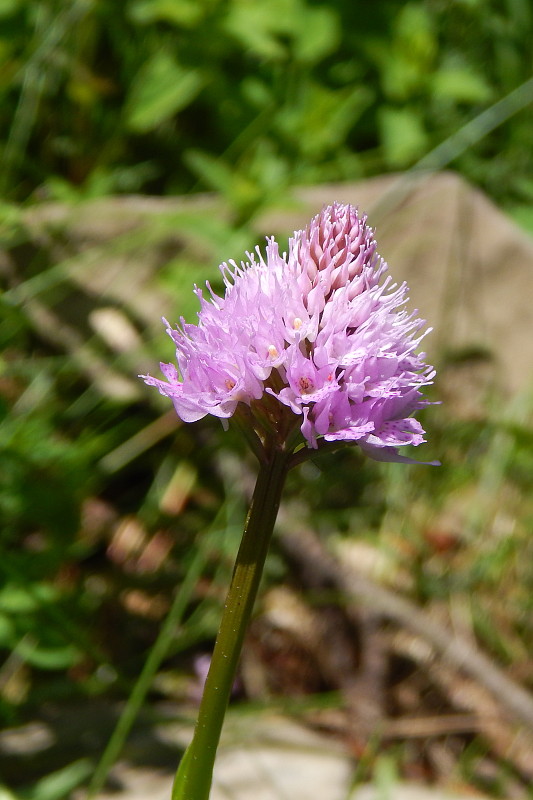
point(142, 686)
point(195, 772)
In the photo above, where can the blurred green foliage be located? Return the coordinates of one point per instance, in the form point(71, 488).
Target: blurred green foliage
point(165, 96)
point(246, 98)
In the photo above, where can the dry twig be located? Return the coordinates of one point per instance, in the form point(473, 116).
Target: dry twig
point(305, 548)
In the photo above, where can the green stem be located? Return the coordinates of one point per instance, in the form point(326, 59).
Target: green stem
point(194, 776)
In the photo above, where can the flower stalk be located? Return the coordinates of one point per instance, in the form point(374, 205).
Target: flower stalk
point(307, 351)
point(195, 772)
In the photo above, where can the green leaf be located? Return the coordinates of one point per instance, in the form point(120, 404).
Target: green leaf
point(326, 115)
point(214, 171)
point(61, 783)
point(407, 60)
point(236, 186)
point(8, 7)
point(402, 136)
point(160, 90)
point(415, 34)
point(317, 36)
point(18, 600)
point(11, 219)
point(184, 13)
point(270, 28)
point(7, 631)
point(255, 27)
point(462, 85)
point(523, 216)
point(52, 658)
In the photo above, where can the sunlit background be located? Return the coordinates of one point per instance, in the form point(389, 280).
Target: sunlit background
point(142, 143)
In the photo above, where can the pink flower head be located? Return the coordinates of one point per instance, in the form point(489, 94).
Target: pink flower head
point(316, 339)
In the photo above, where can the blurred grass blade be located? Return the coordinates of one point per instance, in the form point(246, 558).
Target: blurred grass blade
point(61, 783)
point(142, 686)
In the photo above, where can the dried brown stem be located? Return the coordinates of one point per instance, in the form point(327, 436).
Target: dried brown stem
point(306, 548)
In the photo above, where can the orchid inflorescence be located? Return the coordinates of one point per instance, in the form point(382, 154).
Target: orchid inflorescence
point(313, 346)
